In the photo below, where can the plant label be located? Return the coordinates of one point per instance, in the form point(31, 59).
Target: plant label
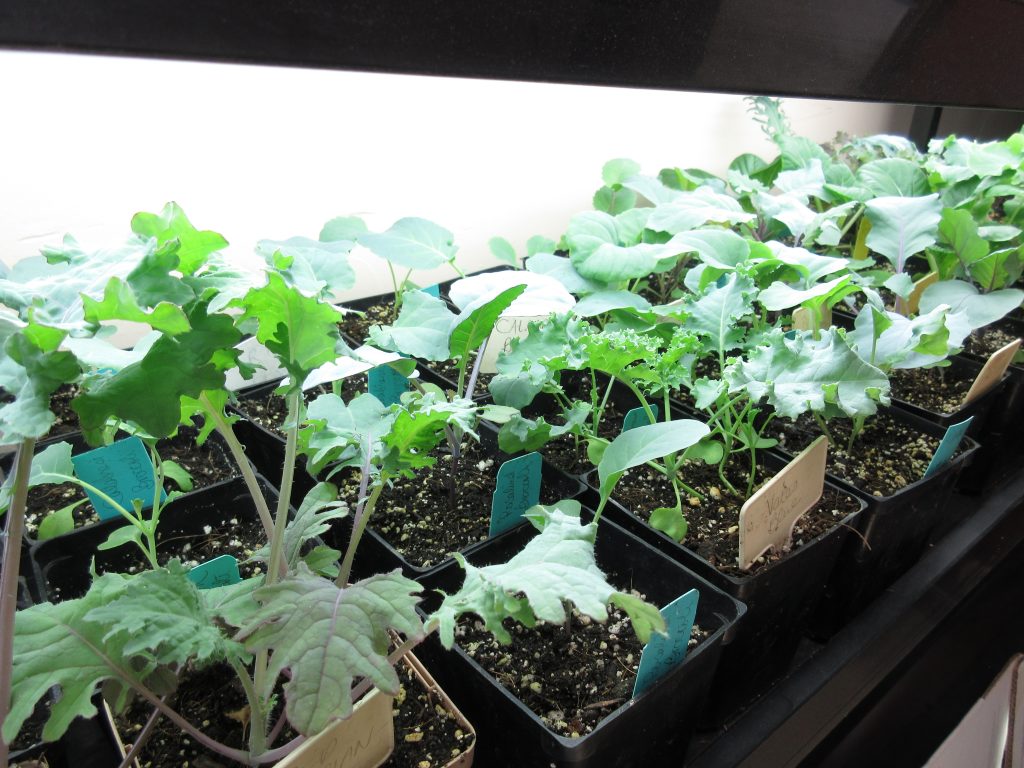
point(947, 446)
point(662, 654)
point(803, 318)
point(387, 384)
point(364, 740)
point(434, 290)
point(638, 418)
point(516, 490)
point(992, 373)
point(220, 572)
point(254, 353)
point(913, 302)
point(767, 518)
point(500, 340)
point(123, 471)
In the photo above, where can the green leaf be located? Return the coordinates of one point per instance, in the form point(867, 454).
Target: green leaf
point(419, 428)
point(503, 251)
point(349, 433)
point(610, 263)
point(805, 374)
point(421, 330)
point(301, 331)
point(233, 603)
point(413, 243)
point(894, 177)
point(312, 519)
point(959, 231)
point(31, 374)
point(313, 266)
point(51, 466)
point(779, 296)
point(343, 228)
point(324, 637)
point(521, 434)
point(902, 226)
point(177, 474)
point(901, 284)
point(473, 326)
point(126, 534)
point(58, 522)
point(556, 567)
point(718, 248)
point(614, 200)
point(149, 392)
point(717, 313)
point(172, 224)
point(124, 629)
point(618, 170)
point(670, 521)
point(979, 309)
point(645, 443)
point(695, 209)
point(605, 301)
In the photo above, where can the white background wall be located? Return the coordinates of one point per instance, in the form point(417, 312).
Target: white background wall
point(256, 152)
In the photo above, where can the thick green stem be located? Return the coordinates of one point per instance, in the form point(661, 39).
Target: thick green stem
point(358, 527)
point(639, 396)
point(224, 429)
point(600, 507)
point(276, 567)
point(823, 426)
point(9, 578)
point(257, 715)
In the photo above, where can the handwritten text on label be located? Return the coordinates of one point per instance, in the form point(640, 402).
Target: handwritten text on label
point(500, 340)
point(767, 518)
point(662, 654)
point(123, 471)
point(516, 490)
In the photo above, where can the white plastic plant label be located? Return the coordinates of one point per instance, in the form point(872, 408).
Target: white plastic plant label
point(993, 371)
point(767, 518)
point(254, 353)
point(506, 329)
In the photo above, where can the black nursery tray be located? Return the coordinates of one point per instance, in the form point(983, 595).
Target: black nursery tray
point(889, 687)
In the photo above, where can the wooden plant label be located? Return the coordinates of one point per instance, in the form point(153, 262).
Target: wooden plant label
point(663, 653)
point(803, 318)
point(638, 417)
point(516, 490)
point(123, 471)
point(220, 572)
point(993, 371)
point(364, 740)
point(767, 518)
point(913, 302)
point(947, 446)
point(500, 340)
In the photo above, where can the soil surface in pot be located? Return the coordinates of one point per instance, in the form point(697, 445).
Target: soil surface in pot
point(269, 411)
point(357, 326)
point(887, 456)
point(713, 516)
point(212, 699)
point(32, 729)
point(984, 341)
point(207, 464)
point(940, 390)
point(427, 735)
point(573, 675)
point(416, 517)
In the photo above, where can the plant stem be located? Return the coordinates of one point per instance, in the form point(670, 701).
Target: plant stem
point(224, 429)
point(142, 737)
point(358, 527)
point(823, 426)
point(257, 717)
point(640, 396)
point(280, 753)
point(9, 578)
point(600, 507)
point(394, 284)
point(476, 371)
point(393, 658)
point(277, 566)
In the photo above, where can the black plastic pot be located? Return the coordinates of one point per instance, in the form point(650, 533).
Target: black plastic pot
point(986, 410)
point(891, 534)
point(651, 730)
point(779, 600)
point(79, 445)
point(62, 565)
point(376, 554)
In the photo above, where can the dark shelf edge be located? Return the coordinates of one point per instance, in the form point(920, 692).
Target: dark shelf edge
point(887, 51)
point(802, 711)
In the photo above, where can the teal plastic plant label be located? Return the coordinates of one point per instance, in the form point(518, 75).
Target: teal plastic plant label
point(220, 572)
point(947, 447)
point(663, 653)
point(517, 489)
point(638, 417)
point(123, 471)
point(387, 384)
point(434, 290)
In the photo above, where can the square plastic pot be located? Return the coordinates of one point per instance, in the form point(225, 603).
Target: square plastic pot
point(779, 600)
point(652, 729)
